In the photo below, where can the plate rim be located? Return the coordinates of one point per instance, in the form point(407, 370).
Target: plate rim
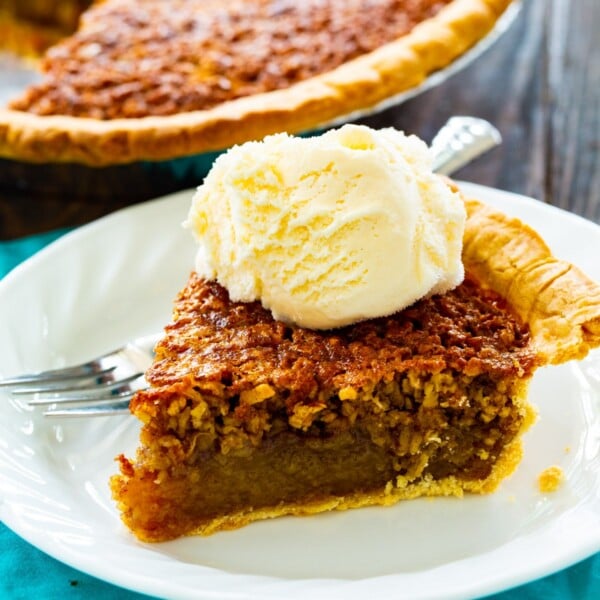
point(141, 584)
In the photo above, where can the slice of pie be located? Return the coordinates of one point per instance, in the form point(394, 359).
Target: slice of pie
point(248, 418)
point(152, 80)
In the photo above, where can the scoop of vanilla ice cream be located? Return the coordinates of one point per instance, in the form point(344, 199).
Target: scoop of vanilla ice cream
point(330, 230)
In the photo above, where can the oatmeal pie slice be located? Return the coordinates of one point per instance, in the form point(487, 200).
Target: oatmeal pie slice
point(153, 80)
point(248, 418)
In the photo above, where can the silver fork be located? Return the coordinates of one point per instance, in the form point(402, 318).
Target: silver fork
point(100, 387)
point(104, 385)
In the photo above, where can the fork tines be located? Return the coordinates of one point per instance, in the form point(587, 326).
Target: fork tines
point(103, 386)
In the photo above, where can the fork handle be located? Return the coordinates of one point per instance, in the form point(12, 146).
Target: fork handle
point(460, 141)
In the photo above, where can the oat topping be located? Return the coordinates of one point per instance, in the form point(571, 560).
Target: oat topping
point(239, 345)
point(133, 59)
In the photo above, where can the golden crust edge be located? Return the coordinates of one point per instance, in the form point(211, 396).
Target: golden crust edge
point(560, 303)
point(356, 85)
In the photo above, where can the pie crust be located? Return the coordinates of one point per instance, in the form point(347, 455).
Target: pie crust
point(560, 304)
point(222, 446)
point(359, 84)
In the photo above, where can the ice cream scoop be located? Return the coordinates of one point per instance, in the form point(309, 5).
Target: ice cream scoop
point(329, 230)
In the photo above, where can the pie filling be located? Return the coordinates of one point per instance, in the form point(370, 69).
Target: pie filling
point(248, 418)
point(132, 59)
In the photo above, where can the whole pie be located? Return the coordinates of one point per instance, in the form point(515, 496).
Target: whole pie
point(248, 418)
point(151, 80)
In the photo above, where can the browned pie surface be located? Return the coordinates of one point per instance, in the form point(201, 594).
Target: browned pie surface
point(467, 330)
point(134, 59)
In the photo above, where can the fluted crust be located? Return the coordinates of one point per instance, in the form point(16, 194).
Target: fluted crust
point(359, 84)
point(557, 300)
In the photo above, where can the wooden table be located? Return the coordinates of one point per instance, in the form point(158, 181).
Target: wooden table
point(539, 84)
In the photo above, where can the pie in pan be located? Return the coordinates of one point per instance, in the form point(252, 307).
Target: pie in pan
point(247, 418)
point(154, 80)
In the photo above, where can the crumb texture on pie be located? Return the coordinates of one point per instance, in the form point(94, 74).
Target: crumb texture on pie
point(550, 479)
point(88, 107)
point(241, 346)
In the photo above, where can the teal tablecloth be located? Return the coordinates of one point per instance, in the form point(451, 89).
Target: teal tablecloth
point(27, 573)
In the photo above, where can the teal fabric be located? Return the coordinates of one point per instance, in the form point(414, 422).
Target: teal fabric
point(26, 572)
point(13, 252)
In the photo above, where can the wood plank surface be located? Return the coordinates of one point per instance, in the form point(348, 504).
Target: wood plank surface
point(539, 84)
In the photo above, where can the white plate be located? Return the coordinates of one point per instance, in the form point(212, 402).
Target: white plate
point(115, 279)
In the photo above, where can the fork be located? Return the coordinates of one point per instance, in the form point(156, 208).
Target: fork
point(100, 387)
point(104, 386)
